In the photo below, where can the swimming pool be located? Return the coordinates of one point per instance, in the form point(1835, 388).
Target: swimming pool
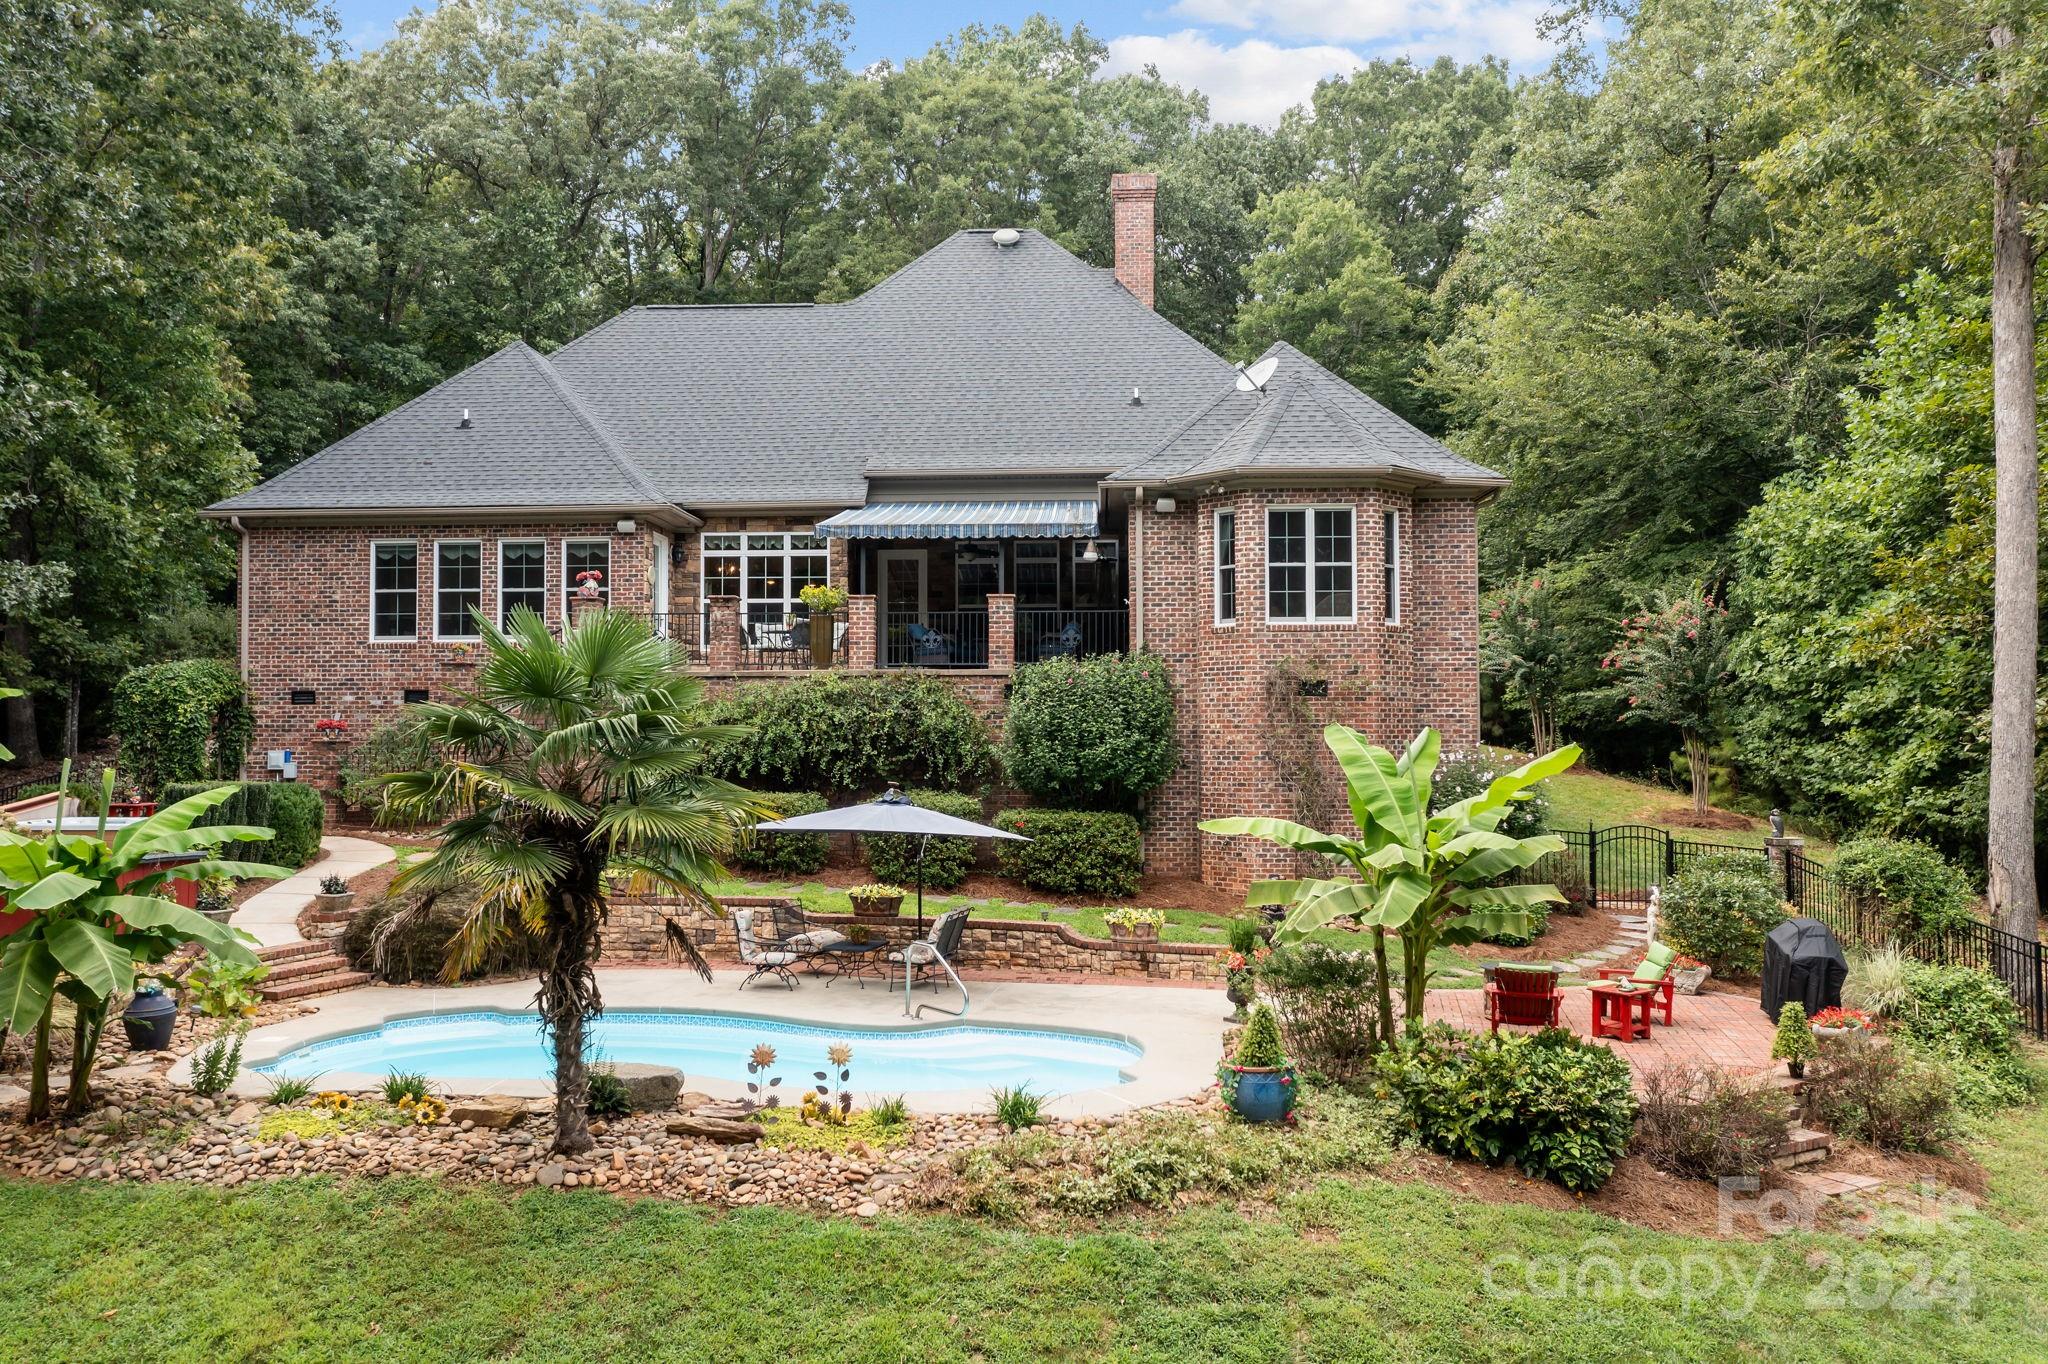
point(495, 1045)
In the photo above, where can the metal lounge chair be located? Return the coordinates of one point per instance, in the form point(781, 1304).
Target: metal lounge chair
point(766, 961)
point(795, 933)
point(931, 954)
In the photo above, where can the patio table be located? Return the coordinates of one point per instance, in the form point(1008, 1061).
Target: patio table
point(856, 959)
point(1621, 1012)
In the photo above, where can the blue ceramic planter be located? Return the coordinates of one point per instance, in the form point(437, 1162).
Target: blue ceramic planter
point(1262, 1095)
point(149, 1020)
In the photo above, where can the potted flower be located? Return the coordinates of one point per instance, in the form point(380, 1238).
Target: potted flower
point(824, 604)
point(332, 730)
point(1240, 979)
point(1258, 1083)
point(876, 901)
point(858, 932)
point(1840, 1022)
point(335, 897)
point(1131, 925)
point(1689, 974)
point(590, 584)
point(150, 1017)
point(461, 655)
point(1794, 1044)
point(216, 899)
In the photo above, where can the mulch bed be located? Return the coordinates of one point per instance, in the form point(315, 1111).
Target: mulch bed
point(1683, 816)
point(1568, 936)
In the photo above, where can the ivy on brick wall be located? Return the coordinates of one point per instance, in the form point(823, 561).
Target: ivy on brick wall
point(182, 721)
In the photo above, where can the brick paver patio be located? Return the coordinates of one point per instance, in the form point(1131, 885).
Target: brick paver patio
point(1728, 1031)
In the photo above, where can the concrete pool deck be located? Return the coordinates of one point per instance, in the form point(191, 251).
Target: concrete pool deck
point(1179, 1031)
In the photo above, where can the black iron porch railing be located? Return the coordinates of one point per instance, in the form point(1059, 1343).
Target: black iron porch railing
point(1047, 632)
point(935, 639)
point(782, 642)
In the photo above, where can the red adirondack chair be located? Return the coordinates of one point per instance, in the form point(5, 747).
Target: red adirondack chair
point(1522, 996)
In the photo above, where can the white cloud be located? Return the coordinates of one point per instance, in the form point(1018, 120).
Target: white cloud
point(1465, 29)
point(1251, 82)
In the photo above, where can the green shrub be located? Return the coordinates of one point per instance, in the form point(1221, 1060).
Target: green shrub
point(182, 721)
point(1887, 1096)
point(1460, 776)
point(297, 818)
point(785, 854)
point(395, 746)
point(1880, 982)
point(609, 1097)
point(404, 938)
point(1719, 909)
point(1259, 1046)
point(841, 733)
point(1017, 1107)
point(1554, 1106)
point(1700, 1122)
point(893, 857)
point(1539, 924)
point(1793, 1041)
point(405, 1084)
point(1961, 1006)
point(1917, 890)
point(1092, 733)
point(1327, 1003)
point(1073, 852)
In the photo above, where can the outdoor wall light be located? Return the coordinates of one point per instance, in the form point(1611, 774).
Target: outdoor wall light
point(1165, 506)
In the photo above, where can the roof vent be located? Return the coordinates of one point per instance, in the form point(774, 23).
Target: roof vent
point(464, 423)
point(1008, 236)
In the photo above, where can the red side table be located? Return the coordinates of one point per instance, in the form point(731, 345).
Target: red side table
point(1620, 1013)
point(1661, 992)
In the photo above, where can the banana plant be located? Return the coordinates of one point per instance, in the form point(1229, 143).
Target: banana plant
point(1420, 878)
point(89, 931)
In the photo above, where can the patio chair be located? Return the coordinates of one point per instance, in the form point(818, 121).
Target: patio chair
point(1522, 996)
point(795, 933)
point(928, 955)
point(1065, 644)
point(766, 961)
point(1654, 969)
point(928, 647)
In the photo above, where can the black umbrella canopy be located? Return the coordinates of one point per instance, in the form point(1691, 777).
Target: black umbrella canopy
point(891, 813)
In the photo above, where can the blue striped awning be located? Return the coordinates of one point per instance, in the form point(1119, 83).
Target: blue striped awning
point(1046, 520)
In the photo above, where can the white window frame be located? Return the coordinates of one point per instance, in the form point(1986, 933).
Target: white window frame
point(1216, 567)
point(1311, 563)
point(746, 553)
point(569, 583)
point(414, 637)
point(503, 545)
point(1390, 563)
point(991, 548)
point(440, 638)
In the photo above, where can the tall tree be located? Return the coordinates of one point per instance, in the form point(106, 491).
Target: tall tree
point(1919, 95)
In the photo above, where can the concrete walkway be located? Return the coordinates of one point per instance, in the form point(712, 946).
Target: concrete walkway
point(271, 915)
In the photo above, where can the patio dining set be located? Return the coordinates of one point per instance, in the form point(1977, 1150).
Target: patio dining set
point(1624, 1001)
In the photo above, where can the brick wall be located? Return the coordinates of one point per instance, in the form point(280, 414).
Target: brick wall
point(1133, 200)
point(1256, 695)
point(308, 610)
point(637, 932)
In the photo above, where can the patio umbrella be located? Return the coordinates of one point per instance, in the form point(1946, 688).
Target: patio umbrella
point(891, 813)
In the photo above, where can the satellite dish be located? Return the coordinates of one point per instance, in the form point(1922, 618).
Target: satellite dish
point(1007, 236)
point(1252, 379)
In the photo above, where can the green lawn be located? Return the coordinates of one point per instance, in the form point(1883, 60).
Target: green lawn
point(1580, 797)
point(1349, 1269)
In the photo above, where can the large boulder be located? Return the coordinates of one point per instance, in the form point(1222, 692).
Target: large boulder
point(649, 1088)
point(487, 1110)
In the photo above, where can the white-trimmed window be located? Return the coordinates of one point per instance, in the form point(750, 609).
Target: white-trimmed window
point(458, 588)
point(1309, 564)
point(522, 578)
point(1390, 539)
point(394, 589)
point(587, 556)
point(766, 570)
point(1226, 568)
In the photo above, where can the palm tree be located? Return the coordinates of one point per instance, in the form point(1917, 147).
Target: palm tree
point(577, 762)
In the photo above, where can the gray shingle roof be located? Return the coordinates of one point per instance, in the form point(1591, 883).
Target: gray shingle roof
point(972, 360)
point(1307, 420)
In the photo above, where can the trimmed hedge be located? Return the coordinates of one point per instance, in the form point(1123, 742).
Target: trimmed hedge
point(1073, 852)
point(295, 815)
point(1091, 733)
point(841, 733)
point(1719, 909)
point(785, 854)
point(182, 721)
point(893, 857)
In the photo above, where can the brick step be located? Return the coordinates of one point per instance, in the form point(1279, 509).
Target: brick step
point(301, 968)
point(1803, 1146)
point(316, 985)
point(293, 950)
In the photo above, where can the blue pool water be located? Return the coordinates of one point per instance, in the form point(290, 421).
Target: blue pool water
point(489, 1045)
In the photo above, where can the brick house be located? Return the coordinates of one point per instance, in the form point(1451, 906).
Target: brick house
point(1003, 453)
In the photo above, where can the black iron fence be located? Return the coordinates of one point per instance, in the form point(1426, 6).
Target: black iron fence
point(1044, 632)
point(935, 639)
point(1619, 864)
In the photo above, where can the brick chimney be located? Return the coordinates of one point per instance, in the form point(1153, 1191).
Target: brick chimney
point(1132, 198)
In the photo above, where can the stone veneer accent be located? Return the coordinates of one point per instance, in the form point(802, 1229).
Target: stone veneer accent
point(637, 931)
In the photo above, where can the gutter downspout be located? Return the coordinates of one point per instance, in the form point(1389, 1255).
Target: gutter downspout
point(1138, 569)
point(242, 599)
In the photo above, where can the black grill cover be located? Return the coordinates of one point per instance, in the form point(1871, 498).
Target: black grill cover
point(1803, 961)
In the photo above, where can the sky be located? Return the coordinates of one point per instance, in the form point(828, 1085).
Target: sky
point(1252, 58)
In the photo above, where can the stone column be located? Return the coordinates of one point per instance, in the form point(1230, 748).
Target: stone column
point(581, 608)
point(1781, 848)
point(1002, 631)
point(860, 631)
point(722, 626)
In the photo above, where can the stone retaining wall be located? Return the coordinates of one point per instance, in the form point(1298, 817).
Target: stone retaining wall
point(638, 932)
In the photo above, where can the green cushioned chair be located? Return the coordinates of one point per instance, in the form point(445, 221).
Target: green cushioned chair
point(1655, 969)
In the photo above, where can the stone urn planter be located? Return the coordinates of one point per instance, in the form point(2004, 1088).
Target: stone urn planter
point(876, 903)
